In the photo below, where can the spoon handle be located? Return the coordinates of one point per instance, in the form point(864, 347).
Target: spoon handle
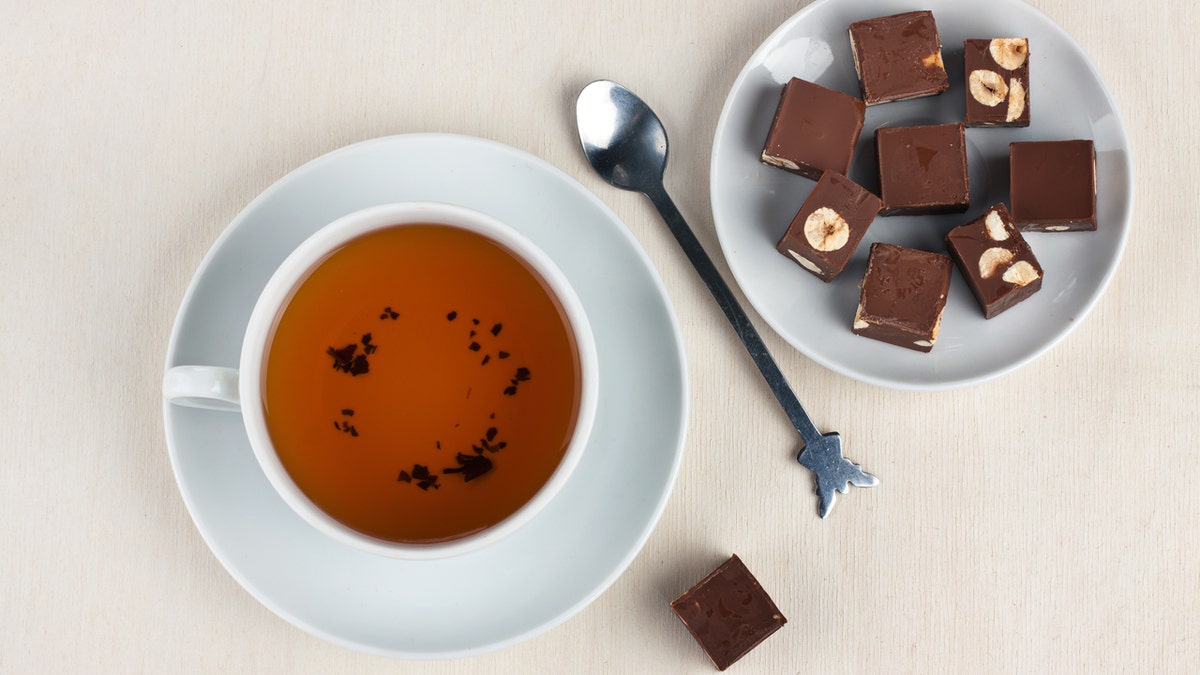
point(734, 312)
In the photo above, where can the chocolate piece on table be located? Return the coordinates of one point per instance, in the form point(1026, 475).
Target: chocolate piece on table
point(728, 613)
point(903, 295)
point(1052, 185)
point(829, 226)
point(993, 257)
point(814, 129)
point(997, 75)
point(898, 57)
point(922, 169)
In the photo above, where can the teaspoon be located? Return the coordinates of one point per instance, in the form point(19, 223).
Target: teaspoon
point(626, 144)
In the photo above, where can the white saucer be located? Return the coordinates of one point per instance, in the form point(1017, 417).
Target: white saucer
point(554, 566)
point(753, 203)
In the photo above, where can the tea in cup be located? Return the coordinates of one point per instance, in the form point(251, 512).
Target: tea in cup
point(417, 380)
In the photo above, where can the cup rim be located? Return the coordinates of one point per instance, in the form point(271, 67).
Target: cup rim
point(294, 269)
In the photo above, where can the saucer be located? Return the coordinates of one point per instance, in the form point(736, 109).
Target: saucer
point(753, 203)
point(552, 567)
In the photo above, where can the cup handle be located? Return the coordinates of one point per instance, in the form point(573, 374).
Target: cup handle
point(208, 387)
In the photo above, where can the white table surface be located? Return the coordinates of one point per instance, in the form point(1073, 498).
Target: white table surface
point(1048, 521)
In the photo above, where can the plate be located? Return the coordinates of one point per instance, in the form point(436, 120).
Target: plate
point(753, 203)
point(552, 567)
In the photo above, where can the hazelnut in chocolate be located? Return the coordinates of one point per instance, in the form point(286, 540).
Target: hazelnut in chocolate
point(922, 169)
point(814, 129)
point(1052, 185)
point(993, 257)
point(898, 57)
point(903, 295)
point(829, 226)
point(728, 613)
point(997, 75)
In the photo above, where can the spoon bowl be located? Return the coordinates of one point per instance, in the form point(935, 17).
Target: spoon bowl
point(622, 138)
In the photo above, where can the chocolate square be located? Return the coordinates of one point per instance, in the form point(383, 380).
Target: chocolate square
point(728, 613)
point(997, 77)
point(814, 129)
point(903, 295)
point(922, 169)
point(993, 257)
point(1052, 185)
point(829, 226)
point(898, 57)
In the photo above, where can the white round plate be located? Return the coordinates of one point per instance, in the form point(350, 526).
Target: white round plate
point(753, 203)
point(557, 563)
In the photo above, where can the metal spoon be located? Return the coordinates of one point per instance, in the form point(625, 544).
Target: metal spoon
point(626, 144)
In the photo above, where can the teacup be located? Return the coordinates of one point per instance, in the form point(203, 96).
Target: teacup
point(417, 380)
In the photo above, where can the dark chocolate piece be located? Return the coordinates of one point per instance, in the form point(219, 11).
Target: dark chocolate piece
point(903, 295)
point(997, 77)
point(728, 613)
point(1052, 185)
point(829, 226)
point(993, 257)
point(814, 129)
point(898, 57)
point(922, 169)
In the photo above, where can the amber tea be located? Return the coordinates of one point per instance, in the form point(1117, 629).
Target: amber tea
point(421, 384)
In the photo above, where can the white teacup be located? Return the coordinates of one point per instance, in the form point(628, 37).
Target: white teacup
point(241, 389)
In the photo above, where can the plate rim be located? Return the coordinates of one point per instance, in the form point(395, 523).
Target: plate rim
point(678, 430)
point(1125, 217)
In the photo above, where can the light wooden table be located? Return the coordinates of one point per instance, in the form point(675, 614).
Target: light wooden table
point(1048, 521)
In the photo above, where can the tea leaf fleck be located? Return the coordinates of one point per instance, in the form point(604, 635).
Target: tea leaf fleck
point(348, 412)
point(342, 358)
point(347, 361)
point(474, 346)
point(496, 329)
point(503, 355)
point(486, 358)
point(470, 466)
point(452, 316)
point(424, 478)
